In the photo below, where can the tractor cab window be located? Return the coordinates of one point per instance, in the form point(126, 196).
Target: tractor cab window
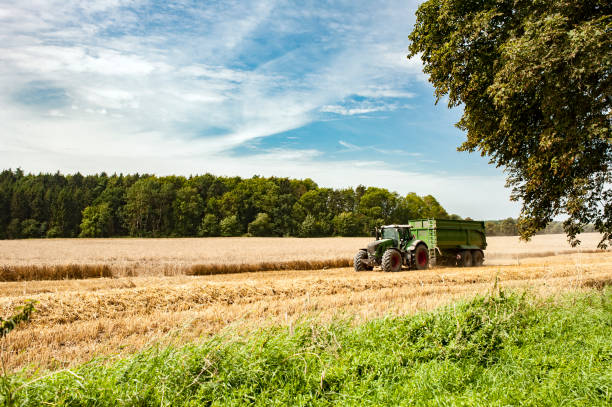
point(390, 233)
point(405, 234)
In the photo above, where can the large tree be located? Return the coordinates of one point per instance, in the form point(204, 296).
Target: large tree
point(534, 79)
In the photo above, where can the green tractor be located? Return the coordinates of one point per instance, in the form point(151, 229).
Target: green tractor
point(423, 241)
point(395, 246)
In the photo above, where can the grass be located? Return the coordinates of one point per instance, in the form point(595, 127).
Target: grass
point(493, 350)
point(54, 272)
point(220, 268)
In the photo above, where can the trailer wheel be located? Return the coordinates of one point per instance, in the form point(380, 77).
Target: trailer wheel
point(477, 258)
point(391, 261)
point(358, 262)
point(421, 257)
point(466, 259)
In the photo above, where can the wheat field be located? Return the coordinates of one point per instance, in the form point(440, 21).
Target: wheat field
point(37, 259)
point(81, 318)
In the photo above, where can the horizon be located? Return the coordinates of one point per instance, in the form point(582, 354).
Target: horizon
point(322, 92)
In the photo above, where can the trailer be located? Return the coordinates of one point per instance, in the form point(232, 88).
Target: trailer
point(424, 242)
point(451, 242)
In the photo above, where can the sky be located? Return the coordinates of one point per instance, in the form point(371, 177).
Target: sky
point(309, 89)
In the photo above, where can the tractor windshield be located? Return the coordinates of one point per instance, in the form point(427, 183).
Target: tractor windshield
point(390, 233)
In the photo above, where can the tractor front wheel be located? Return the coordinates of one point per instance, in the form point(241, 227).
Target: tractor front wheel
point(358, 261)
point(391, 261)
point(421, 257)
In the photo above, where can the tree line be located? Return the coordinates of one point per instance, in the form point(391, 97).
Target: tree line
point(509, 227)
point(101, 205)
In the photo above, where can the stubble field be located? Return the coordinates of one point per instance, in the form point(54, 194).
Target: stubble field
point(151, 296)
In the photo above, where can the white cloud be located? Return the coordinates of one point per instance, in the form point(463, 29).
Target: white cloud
point(175, 93)
point(362, 107)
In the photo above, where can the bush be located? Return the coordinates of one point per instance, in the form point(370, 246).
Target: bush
point(30, 228)
point(230, 226)
point(209, 226)
point(311, 227)
point(347, 224)
point(97, 221)
point(261, 226)
point(55, 231)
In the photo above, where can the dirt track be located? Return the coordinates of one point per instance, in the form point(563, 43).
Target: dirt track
point(78, 319)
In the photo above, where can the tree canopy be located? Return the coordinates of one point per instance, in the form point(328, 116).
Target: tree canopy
point(535, 81)
point(47, 205)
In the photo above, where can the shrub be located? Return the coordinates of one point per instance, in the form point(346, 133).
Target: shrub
point(209, 226)
point(261, 226)
point(230, 226)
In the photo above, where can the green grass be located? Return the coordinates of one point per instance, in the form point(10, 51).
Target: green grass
point(507, 349)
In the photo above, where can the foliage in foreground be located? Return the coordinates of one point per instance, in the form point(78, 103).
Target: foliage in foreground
point(23, 315)
point(534, 79)
point(500, 350)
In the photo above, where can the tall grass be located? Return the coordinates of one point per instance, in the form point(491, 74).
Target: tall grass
point(54, 272)
point(495, 350)
point(220, 268)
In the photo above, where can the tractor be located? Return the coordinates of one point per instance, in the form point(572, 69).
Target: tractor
point(395, 246)
point(422, 242)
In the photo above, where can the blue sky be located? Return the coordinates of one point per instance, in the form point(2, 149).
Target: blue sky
point(301, 89)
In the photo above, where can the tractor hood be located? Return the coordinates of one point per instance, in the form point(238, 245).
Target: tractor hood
point(383, 243)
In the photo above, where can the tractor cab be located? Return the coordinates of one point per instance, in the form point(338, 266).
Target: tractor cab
point(400, 234)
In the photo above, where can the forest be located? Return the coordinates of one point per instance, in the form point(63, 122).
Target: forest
point(101, 205)
point(142, 205)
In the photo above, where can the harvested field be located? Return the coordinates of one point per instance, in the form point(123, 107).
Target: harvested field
point(52, 259)
point(80, 319)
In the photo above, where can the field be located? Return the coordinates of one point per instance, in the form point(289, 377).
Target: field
point(57, 258)
point(150, 299)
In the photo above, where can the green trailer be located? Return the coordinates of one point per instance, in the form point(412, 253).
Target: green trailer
point(452, 242)
point(422, 242)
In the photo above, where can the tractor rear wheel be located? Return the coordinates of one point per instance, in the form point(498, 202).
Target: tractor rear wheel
point(466, 259)
point(391, 261)
point(477, 258)
point(421, 257)
point(358, 261)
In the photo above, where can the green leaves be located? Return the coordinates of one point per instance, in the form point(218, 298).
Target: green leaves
point(23, 315)
point(535, 80)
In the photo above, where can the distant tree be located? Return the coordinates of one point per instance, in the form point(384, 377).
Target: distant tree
point(434, 209)
point(347, 224)
point(209, 226)
point(54, 232)
point(148, 209)
point(491, 229)
point(534, 80)
point(412, 206)
point(508, 227)
point(97, 221)
point(13, 230)
point(378, 203)
point(188, 208)
point(261, 226)
point(114, 197)
point(65, 212)
point(30, 228)
point(230, 226)
point(310, 227)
